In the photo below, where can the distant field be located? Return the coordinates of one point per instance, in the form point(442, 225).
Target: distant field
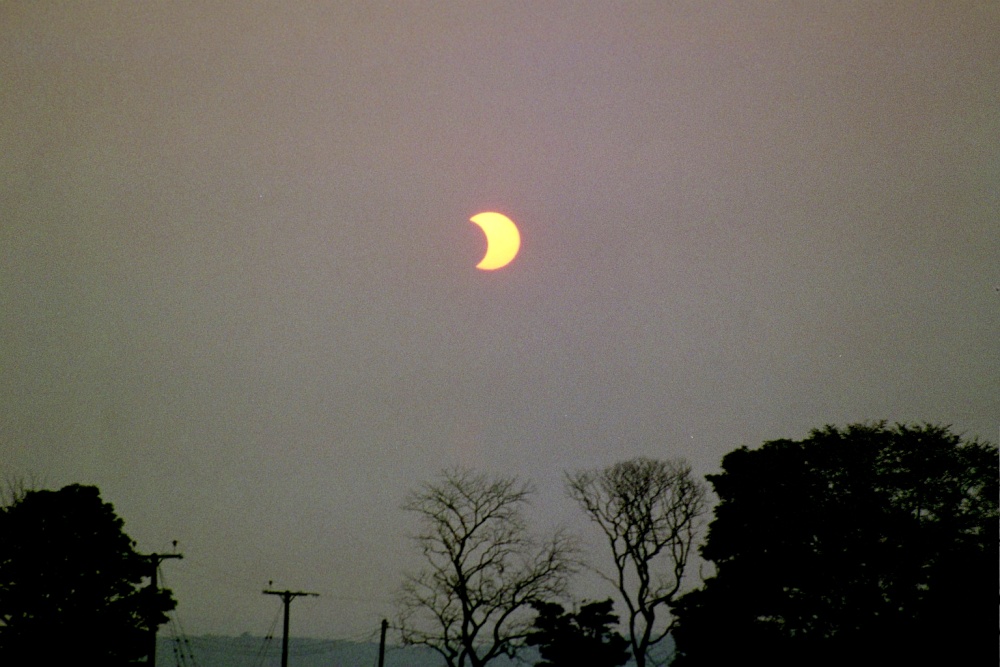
point(249, 651)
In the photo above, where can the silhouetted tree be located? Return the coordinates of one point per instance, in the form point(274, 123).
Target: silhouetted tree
point(649, 512)
point(471, 603)
point(70, 583)
point(868, 542)
point(566, 639)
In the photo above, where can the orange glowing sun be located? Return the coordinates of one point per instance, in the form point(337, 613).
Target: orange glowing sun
point(502, 240)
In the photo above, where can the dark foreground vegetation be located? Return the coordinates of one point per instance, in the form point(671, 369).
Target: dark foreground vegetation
point(71, 583)
point(870, 543)
point(865, 543)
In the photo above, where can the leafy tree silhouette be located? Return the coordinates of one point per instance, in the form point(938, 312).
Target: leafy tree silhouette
point(566, 639)
point(70, 583)
point(870, 542)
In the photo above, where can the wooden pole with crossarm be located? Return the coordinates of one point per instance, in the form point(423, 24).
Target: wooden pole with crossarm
point(287, 597)
point(154, 584)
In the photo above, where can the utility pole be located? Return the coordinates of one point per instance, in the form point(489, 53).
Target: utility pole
point(287, 597)
point(154, 561)
point(381, 644)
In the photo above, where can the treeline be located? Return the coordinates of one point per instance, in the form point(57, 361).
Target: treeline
point(870, 542)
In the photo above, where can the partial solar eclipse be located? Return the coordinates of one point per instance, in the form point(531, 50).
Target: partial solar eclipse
point(502, 240)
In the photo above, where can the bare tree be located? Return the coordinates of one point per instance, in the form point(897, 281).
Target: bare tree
point(15, 487)
point(649, 511)
point(471, 603)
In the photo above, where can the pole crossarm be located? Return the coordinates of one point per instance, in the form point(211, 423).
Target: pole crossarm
point(286, 598)
point(290, 595)
point(154, 559)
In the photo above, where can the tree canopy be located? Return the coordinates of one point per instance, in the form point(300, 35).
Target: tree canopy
point(866, 541)
point(471, 602)
point(70, 583)
point(586, 637)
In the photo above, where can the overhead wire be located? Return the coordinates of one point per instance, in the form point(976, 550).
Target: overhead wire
point(262, 653)
point(182, 649)
point(185, 650)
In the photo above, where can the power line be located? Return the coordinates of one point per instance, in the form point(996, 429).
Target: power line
point(262, 652)
point(154, 560)
point(286, 598)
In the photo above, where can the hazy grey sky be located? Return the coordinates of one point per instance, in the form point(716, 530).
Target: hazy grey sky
point(237, 281)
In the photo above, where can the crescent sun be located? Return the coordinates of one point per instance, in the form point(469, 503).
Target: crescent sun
point(502, 240)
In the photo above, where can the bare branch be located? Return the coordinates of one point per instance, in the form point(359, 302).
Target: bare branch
point(650, 512)
point(15, 487)
point(483, 568)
